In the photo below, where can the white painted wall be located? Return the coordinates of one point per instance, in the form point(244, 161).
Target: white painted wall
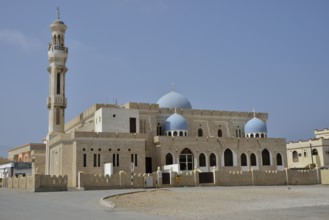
point(115, 120)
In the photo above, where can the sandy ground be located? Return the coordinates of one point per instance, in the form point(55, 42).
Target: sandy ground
point(267, 202)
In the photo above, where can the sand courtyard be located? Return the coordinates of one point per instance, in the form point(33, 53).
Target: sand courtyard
point(258, 202)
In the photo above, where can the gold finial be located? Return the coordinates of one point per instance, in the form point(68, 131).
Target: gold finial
point(58, 13)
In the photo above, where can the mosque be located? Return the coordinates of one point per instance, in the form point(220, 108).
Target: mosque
point(140, 137)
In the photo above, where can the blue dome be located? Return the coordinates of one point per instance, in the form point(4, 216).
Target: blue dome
point(176, 122)
point(174, 100)
point(255, 125)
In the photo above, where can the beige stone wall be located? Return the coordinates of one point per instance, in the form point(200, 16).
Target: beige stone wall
point(325, 177)
point(118, 180)
point(37, 183)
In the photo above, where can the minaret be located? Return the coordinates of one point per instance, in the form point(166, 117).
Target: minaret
point(57, 56)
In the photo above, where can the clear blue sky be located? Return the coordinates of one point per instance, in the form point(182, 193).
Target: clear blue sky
point(223, 55)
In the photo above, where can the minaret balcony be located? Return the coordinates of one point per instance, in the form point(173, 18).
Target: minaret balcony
point(57, 47)
point(57, 101)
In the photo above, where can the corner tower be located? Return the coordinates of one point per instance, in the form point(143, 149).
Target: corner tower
point(57, 56)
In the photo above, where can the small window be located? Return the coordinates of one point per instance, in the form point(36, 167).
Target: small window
point(95, 160)
point(220, 133)
point(84, 160)
point(279, 160)
point(253, 161)
point(314, 152)
point(132, 125)
point(202, 160)
point(169, 159)
point(212, 160)
point(244, 160)
point(58, 89)
point(295, 156)
point(200, 132)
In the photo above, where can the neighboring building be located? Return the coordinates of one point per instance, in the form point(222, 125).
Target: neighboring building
point(15, 169)
point(167, 134)
point(310, 153)
point(28, 153)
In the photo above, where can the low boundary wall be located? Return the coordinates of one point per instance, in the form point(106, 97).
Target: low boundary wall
point(37, 183)
point(40, 183)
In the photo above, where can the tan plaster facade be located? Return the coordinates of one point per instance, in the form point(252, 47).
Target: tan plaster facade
point(310, 153)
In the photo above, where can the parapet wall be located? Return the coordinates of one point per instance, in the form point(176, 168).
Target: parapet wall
point(37, 183)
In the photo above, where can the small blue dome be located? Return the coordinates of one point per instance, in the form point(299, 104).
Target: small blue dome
point(174, 100)
point(255, 125)
point(176, 122)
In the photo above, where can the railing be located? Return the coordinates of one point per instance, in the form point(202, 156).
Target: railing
point(57, 47)
point(59, 101)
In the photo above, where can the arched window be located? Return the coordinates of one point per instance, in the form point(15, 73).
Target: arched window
point(266, 157)
point(279, 160)
point(58, 87)
point(253, 161)
point(200, 132)
point(181, 133)
point(169, 159)
point(185, 133)
point(295, 156)
point(228, 158)
point(262, 136)
point(252, 135)
point(186, 160)
point(257, 135)
point(212, 160)
point(220, 133)
point(169, 133)
point(175, 133)
point(202, 160)
point(314, 152)
point(244, 160)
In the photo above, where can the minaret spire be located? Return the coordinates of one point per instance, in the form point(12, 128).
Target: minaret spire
point(58, 13)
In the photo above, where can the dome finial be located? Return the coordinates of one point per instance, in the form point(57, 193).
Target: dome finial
point(58, 13)
point(172, 86)
point(253, 110)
